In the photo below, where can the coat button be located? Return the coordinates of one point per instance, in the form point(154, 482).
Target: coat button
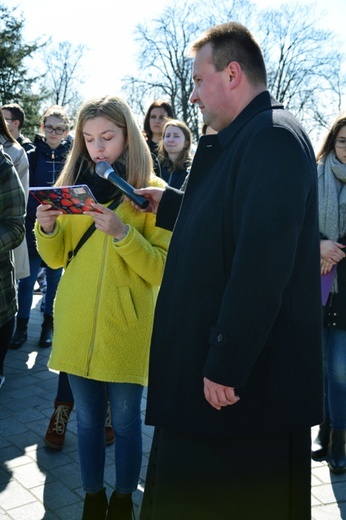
point(220, 338)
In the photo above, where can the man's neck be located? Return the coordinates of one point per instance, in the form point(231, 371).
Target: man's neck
point(15, 133)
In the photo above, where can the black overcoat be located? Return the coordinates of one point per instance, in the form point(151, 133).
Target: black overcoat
point(240, 302)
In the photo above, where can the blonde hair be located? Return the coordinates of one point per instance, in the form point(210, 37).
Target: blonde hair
point(184, 158)
point(136, 155)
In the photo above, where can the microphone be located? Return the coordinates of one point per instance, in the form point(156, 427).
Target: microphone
point(106, 171)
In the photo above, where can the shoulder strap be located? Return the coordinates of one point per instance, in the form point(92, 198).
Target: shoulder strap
point(87, 234)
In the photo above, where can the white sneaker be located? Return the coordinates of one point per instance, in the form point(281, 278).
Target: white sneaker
point(2, 380)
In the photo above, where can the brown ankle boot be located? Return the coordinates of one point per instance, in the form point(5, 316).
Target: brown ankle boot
point(55, 435)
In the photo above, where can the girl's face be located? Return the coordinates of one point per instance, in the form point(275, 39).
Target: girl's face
point(174, 140)
point(157, 120)
point(55, 130)
point(104, 140)
point(340, 145)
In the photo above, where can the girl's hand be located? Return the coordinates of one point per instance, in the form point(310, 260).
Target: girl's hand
point(107, 221)
point(46, 217)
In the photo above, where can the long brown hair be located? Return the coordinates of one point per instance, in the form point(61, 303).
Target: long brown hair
point(184, 158)
point(329, 141)
point(158, 103)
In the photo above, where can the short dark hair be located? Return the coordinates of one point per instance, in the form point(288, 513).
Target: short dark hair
point(16, 111)
point(232, 41)
point(158, 103)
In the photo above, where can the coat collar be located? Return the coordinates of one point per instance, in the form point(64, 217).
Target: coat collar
point(261, 103)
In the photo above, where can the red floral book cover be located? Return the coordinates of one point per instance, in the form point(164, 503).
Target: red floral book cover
point(72, 200)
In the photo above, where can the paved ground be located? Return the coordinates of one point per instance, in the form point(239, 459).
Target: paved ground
point(37, 483)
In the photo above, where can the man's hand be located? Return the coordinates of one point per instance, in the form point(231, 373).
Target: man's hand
point(153, 195)
point(219, 395)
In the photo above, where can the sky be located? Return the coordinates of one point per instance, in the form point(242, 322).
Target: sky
point(104, 27)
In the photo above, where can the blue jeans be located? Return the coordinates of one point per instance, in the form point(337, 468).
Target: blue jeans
point(91, 404)
point(334, 346)
point(26, 288)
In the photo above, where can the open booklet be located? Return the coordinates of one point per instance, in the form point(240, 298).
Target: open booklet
point(72, 200)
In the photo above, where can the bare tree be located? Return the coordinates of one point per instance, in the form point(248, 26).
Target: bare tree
point(163, 62)
point(303, 61)
point(63, 77)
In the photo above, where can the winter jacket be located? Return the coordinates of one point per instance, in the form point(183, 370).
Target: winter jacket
point(105, 300)
point(45, 167)
point(176, 177)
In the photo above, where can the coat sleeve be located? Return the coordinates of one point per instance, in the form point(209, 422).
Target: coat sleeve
point(169, 208)
point(12, 206)
point(145, 252)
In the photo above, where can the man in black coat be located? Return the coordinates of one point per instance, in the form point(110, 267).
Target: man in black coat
point(236, 378)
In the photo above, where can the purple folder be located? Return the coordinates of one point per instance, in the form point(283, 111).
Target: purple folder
point(326, 284)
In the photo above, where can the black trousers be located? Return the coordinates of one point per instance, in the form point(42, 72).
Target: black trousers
point(6, 332)
point(255, 478)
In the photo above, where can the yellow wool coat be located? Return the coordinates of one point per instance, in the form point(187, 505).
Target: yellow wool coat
point(104, 307)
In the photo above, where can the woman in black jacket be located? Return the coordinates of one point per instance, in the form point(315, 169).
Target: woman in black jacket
point(158, 112)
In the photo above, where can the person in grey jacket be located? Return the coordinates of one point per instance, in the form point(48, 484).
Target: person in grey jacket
point(12, 232)
point(21, 164)
point(236, 365)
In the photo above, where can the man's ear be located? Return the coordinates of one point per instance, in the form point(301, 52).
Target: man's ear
point(234, 72)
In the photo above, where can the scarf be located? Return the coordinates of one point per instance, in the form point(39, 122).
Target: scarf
point(103, 189)
point(332, 199)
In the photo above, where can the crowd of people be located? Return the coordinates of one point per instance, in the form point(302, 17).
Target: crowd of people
point(210, 296)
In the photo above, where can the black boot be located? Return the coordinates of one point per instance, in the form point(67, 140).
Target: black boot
point(47, 331)
point(95, 506)
point(20, 336)
point(120, 507)
point(319, 447)
point(337, 451)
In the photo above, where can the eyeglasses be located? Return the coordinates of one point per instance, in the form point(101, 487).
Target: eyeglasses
point(9, 119)
point(340, 143)
point(59, 130)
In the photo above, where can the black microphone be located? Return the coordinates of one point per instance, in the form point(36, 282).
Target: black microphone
point(106, 171)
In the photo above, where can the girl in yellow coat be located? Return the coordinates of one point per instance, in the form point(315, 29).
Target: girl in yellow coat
point(105, 300)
